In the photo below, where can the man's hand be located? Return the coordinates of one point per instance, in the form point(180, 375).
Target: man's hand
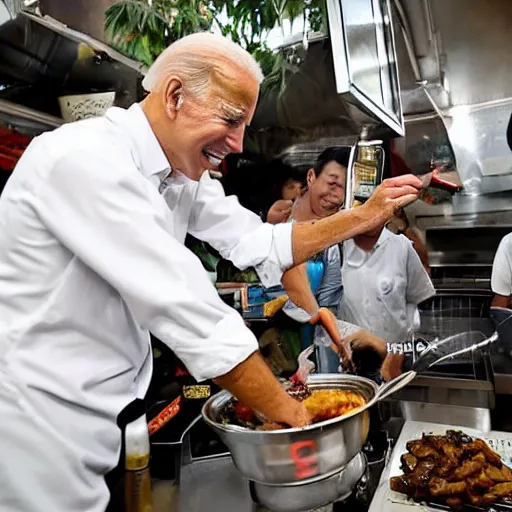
point(309, 238)
point(253, 384)
point(280, 211)
point(364, 339)
point(392, 366)
point(391, 195)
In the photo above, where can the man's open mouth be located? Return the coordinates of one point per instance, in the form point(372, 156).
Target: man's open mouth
point(213, 158)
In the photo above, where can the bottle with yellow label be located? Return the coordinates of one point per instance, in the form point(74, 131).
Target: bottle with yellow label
point(368, 169)
point(138, 496)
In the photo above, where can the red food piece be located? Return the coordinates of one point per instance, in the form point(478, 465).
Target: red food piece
point(243, 412)
point(166, 415)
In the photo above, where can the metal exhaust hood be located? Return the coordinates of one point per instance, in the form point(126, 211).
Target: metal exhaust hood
point(347, 81)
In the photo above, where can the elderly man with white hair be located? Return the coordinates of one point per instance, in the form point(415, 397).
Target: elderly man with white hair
point(92, 259)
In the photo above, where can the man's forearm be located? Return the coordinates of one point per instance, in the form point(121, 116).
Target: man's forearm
point(253, 383)
point(298, 288)
point(310, 238)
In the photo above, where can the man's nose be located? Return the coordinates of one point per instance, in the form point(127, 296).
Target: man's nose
point(235, 139)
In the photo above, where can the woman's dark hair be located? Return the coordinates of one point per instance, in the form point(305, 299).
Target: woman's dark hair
point(282, 172)
point(340, 155)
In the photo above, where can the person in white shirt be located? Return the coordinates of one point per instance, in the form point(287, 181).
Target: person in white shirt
point(92, 259)
point(501, 277)
point(384, 280)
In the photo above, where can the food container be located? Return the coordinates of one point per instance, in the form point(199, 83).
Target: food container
point(313, 493)
point(83, 106)
point(295, 455)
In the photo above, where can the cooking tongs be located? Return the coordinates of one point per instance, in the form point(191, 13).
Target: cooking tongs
point(440, 351)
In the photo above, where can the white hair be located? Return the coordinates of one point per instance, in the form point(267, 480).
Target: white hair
point(195, 58)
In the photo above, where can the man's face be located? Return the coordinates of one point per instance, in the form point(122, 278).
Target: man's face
point(327, 191)
point(210, 127)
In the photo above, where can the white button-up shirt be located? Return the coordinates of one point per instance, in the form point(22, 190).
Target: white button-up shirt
point(91, 260)
point(501, 278)
point(382, 287)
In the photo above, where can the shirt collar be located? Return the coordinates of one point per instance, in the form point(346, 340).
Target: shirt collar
point(147, 151)
point(356, 257)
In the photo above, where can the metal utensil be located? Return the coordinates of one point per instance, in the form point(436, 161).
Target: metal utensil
point(437, 352)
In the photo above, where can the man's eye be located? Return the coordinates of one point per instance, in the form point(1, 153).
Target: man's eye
point(231, 122)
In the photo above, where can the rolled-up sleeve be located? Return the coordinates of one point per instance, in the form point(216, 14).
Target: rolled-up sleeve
point(111, 219)
point(238, 234)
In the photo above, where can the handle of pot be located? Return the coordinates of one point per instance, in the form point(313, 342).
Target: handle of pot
point(186, 449)
point(394, 385)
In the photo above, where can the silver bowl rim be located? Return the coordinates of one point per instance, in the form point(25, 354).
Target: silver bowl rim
point(313, 379)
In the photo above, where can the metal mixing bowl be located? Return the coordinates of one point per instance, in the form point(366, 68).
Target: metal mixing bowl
point(310, 494)
point(296, 454)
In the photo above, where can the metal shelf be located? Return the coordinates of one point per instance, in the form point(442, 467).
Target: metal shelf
point(19, 116)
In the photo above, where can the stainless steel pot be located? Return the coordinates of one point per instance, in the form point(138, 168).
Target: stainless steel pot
point(294, 455)
point(311, 494)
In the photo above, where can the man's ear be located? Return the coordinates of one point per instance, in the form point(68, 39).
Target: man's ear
point(173, 96)
point(311, 177)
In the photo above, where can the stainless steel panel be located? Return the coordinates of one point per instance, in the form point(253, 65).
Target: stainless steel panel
point(470, 417)
point(215, 485)
point(449, 392)
point(478, 138)
point(476, 41)
point(363, 45)
point(361, 37)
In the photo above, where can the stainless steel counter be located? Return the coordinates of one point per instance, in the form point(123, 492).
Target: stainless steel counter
point(383, 500)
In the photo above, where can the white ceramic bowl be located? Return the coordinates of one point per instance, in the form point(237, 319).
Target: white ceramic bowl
point(84, 106)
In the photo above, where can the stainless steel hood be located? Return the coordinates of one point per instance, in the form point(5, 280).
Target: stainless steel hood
point(461, 73)
point(346, 81)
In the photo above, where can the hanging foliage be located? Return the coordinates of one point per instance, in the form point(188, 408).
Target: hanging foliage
point(142, 29)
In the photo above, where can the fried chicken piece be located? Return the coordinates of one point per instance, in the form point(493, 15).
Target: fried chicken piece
point(441, 487)
point(478, 445)
point(496, 492)
point(409, 462)
point(503, 474)
point(474, 498)
point(422, 450)
point(435, 441)
point(445, 466)
point(422, 473)
point(400, 484)
point(479, 457)
point(452, 451)
point(480, 482)
point(466, 469)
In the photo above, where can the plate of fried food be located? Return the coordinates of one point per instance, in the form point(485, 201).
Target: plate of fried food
point(454, 471)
